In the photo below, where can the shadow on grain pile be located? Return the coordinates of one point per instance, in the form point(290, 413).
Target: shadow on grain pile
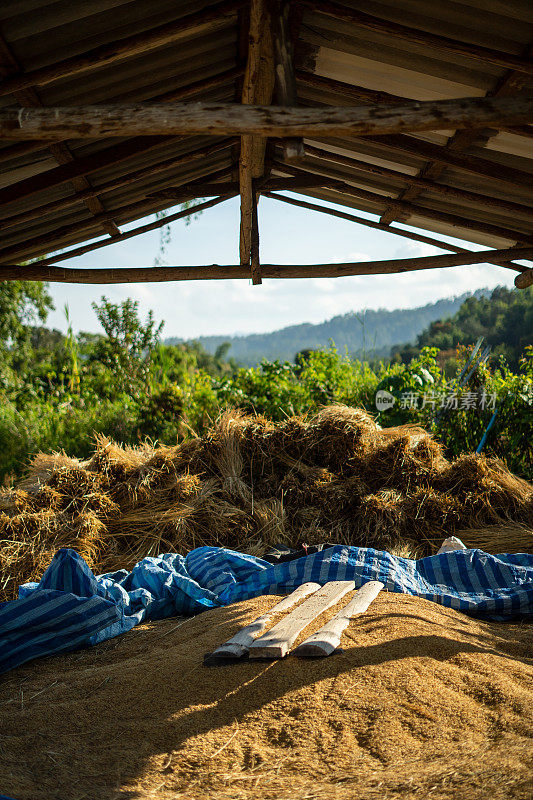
point(250, 483)
point(422, 702)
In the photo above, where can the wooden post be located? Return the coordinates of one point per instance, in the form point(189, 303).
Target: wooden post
point(258, 86)
point(256, 265)
point(285, 87)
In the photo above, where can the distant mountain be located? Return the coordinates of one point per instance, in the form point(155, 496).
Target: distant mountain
point(367, 334)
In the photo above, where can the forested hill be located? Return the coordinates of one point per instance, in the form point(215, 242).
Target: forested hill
point(367, 334)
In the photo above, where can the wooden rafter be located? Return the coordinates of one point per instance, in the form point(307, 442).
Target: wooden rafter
point(149, 226)
point(510, 84)
point(417, 36)
point(379, 226)
point(212, 16)
point(122, 180)
point(197, 189)
point(88, 122)
point(415, 180)
point(59, 150)
point(410, 209)
point(216, 271)
point(53, 239)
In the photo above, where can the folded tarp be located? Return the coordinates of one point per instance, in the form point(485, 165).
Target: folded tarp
point(71, 608)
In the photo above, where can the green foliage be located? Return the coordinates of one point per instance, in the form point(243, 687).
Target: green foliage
point(505, 320)
point(124, 383)
point(128, 343)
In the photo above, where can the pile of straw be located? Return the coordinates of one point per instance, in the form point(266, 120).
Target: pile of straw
point(250, 483)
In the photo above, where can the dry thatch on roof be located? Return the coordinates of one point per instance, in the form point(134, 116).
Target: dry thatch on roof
point(250, 483)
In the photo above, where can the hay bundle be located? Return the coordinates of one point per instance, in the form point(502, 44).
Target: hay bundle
point(250, 483)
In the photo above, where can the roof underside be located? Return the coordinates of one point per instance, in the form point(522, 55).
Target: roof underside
point(37, 33)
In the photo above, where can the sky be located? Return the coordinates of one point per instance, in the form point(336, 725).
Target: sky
point(288, 235)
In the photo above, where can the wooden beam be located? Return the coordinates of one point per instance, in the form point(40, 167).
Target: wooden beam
point(411, 209)
point(212, 16)
point(422, 183)
point(524, 280)
point(379, 226)
point(38, 272)
point(149, 226)
point(285, 81)
point(89, 122)
point(433, 41)
point(123, 180)
point(258, 86)
point(51, 240)
point(198, 189)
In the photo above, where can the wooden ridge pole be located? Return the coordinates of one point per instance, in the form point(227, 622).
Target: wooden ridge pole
point(434, 41)
point(229, 119)
point(379, 226)
point(212, 16)
point(38, 272)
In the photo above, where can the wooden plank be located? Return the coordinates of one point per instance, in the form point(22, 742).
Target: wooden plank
point(417, 237)
point(433, 41)
point(279, 639)
point(102, 56)
point(38, 272)
point(325, 641)
point(238, 645)
point(90, 122)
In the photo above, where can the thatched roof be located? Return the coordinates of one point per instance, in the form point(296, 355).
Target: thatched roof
point(475, 184)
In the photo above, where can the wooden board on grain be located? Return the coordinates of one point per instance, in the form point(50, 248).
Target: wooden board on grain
point(279, 639)
point(327, 639)
point(238, 645)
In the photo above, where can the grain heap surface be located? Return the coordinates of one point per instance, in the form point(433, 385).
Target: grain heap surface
point(423, 702)
point(250, 483)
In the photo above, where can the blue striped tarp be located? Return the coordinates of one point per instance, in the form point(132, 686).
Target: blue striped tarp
point(71, 608)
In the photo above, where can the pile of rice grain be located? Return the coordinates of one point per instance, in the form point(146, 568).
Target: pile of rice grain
point(422, 702)
point(250, 483)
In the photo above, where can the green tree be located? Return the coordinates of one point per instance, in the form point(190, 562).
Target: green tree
point(128, 344)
